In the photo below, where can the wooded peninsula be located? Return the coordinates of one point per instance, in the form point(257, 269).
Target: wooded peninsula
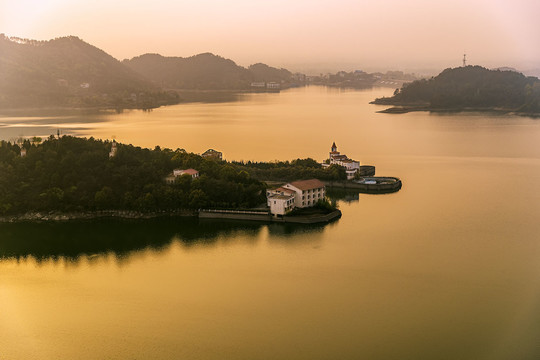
point(70, 174)
point(469, 88)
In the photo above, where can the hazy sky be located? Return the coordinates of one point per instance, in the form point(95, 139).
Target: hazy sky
point(360, 34)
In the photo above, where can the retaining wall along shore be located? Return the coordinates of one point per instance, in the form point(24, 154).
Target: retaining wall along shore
point(267, 217)
point(383, 186)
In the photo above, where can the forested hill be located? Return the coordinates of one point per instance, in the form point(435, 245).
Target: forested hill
point(470, 87)
point(72, 174)
point(68, 72)
point(204, 72)
point(263, 72)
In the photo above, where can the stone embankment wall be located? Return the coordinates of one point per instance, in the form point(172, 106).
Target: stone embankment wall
point(367, 170)
point(235, 215)
point(203, 214)
point(267, 217)
point(88, 215)
point(309, 219)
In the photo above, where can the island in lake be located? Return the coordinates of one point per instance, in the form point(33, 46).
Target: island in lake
point(67, 177)
point(469, 88)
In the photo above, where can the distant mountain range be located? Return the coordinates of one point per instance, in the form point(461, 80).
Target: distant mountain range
point(469, 88)
point(68, 72)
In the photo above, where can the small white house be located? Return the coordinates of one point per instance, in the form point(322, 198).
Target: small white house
point(280, 200)
point(280, 204)
point(171, 178)
point(192, 172)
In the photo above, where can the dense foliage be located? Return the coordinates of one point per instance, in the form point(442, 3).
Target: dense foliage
point(471, 87)
point(298, 169)
point(67, 72)
point(75, 174)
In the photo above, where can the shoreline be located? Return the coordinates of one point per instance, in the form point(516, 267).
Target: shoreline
point(404, 109)
point(57, 216)
point(369, 184)
point(268, 218)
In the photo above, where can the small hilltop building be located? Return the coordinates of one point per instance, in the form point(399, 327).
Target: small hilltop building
point(171, 178)
point(191, 172)
point(114, 149)
point(212, 154)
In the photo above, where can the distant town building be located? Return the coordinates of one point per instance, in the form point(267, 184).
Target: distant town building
point(171, 178)
point(301, 194)
point(273, 85)
point(212, 154)
point(114, 149)
point(85, 85)
point(23, 152)
point(258, 84)
point(351, 166)
point(298, 77)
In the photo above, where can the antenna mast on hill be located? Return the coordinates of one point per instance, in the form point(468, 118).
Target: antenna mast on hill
point(464, 60)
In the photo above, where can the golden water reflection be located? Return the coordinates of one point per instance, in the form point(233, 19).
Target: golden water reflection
point(445, 268)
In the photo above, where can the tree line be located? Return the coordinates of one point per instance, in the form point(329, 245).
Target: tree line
point(298, 169)
point(73, 174)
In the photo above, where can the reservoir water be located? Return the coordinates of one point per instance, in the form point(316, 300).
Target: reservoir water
point(446, 268)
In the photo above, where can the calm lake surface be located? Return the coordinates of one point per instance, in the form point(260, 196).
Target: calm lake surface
point(447, 268)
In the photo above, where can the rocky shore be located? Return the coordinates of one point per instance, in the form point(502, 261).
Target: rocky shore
point(89, 215)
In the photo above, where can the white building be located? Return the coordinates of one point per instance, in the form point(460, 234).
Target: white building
point(304, 193)
point(351, 166)
point(273, 85)
point(308, 192)
point(280, 200)
point(113, 151)
point(192, 172)
point(212, 154)
point(171, 178)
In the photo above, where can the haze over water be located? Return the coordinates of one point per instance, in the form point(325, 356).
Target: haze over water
point(447, 268)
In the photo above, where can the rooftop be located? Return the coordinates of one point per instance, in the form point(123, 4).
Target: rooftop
point(307, 184)
point(190, 171)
